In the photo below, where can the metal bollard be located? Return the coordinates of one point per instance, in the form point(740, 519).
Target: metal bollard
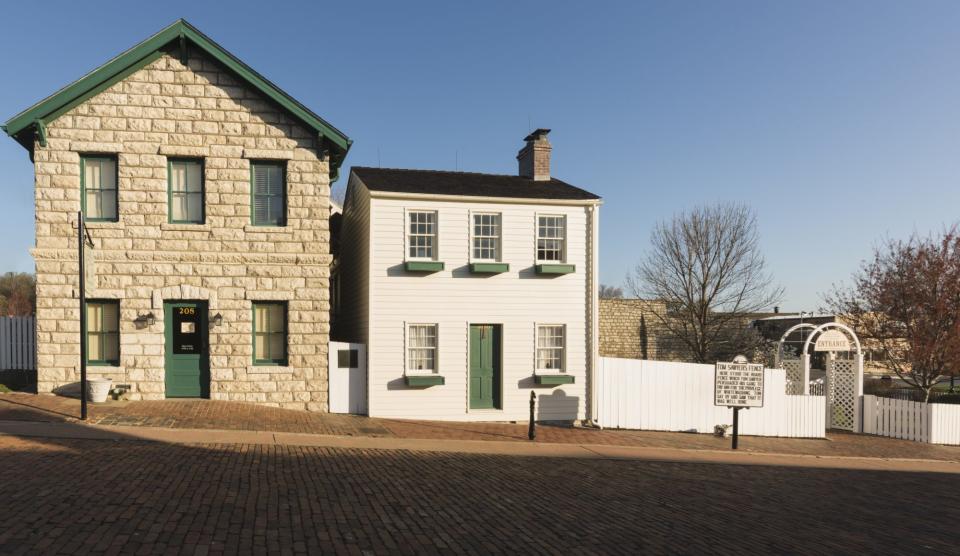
point(532, 432)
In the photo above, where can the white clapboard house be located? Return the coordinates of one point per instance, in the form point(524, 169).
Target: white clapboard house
point(471, 290)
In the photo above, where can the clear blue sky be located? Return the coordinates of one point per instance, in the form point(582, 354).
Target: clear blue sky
point(839, 122)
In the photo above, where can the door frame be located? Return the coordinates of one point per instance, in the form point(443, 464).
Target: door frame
point(203, 308)
point(499, 388)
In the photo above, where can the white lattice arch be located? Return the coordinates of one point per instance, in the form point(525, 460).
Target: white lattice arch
point(787, 334)
point(844, 380)
point(824, 327)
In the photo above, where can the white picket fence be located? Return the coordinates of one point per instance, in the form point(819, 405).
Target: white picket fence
point(18, 343)
point(936, 423)
point(667, 396)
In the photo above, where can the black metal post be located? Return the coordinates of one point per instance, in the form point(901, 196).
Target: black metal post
point(736, 426)
point(83, 323)
point(532, 431)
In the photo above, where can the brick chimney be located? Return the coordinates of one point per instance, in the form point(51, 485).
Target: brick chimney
point(534, 158)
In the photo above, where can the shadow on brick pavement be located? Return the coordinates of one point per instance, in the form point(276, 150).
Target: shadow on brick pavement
point(84, 496)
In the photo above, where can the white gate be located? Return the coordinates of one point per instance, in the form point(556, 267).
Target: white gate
point(348, 378)
point(842, 393)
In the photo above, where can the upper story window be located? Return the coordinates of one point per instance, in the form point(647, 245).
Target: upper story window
point(103, 332)
point(422, 235)
point(551, 238)
point(269, 193)
point(98, 188)
point(185, 191)
point(486, 237)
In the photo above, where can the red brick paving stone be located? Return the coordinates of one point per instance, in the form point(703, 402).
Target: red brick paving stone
point(82, 496)
point(207, 414)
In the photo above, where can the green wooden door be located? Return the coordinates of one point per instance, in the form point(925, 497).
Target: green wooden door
point(186, 359)
point(484, 366)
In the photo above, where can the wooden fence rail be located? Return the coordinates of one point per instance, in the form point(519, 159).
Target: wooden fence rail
point(18, 343)
point(935, 423)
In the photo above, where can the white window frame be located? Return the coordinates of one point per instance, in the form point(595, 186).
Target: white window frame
point(499, 254)
point(406, 349)
point(407, 235)
point(536, 349)
point(536, 238)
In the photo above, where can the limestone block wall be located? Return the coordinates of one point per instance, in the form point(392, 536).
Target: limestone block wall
point(632, 329)
point(169, 109)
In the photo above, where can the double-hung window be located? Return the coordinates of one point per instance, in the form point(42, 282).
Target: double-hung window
point(269, 196)
point(98, 184)
point(185, 191)
point(551, 344)
point(486, 237)
point(421, 348)
point(270, 333)
point(551, 239)
point(103, 332)
point(422, 235)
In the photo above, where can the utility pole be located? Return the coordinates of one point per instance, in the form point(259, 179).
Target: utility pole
point(83, 321)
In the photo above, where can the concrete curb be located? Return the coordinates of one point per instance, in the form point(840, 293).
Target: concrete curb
point(488, 447)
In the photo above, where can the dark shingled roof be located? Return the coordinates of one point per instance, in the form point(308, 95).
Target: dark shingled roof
point(470, 184)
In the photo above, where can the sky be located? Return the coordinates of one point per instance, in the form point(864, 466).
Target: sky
point(837, 122)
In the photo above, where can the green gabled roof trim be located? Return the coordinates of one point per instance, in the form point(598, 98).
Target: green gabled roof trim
point(24, 125)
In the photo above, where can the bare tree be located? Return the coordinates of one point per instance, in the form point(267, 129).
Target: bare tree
point(18, 294)
point(707, 267)
point(610, 292)
point(906, 302)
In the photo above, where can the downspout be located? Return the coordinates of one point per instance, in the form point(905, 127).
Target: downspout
point(593, 297)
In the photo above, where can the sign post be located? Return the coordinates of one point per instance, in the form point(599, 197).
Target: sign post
point(83, 320)
point(738, 386)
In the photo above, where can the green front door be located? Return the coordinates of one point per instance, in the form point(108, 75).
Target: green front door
point(185, 353)
point(484, 366)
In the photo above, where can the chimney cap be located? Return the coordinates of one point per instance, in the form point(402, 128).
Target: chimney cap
point(537, 134)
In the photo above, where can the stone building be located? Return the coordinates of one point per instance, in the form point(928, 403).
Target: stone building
point(632, 329)
point(205, 190)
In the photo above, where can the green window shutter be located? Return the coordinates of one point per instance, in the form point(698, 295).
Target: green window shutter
point(98, 188)
point(269, 193)
point(185, 191)
point(270, 333)
point(103, 332)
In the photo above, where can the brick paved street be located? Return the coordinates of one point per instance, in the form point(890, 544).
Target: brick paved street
point(88, 496)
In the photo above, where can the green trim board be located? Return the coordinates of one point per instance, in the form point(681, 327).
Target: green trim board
point(553, 380)
point(423, 266)
point(423, 380)
point(203, 190)
point(489, 268)
point(556, 268)
point(24, 126)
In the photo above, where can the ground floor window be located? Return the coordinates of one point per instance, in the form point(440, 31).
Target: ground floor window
point(103, 332)
point(270, 333)
point(422, 348)
point(550, 347)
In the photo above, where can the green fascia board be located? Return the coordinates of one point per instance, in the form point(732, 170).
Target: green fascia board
point(423, 380)
point(556, 268)
point(423, 266)
point(140, 55)
point(489, 268)
point(554, 380)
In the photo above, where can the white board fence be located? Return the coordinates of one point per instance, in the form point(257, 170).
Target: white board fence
point(936, 423)
point(667, 396)
point(18, 343)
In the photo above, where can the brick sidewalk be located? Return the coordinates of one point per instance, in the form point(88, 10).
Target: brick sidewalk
point(205, 414)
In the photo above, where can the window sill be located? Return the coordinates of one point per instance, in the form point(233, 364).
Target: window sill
point(266, 369)
point(264, 229)
point(423, 266)
point(556, 269)
point(489, 268)
point(553, 379)
point(183, 227)
point(424, 381)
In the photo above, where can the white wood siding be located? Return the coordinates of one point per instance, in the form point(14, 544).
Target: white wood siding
point(454, 298)
point(355, 250)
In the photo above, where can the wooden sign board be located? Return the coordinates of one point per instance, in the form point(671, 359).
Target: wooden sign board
point(832, 340)
point(738, 385)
